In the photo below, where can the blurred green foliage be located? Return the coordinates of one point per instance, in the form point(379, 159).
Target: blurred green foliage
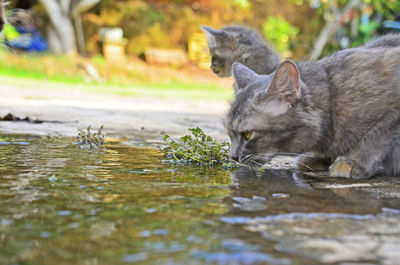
point(279, 32)
point(361, 24)
point(242, 3)
point(289, 25)
point(388, 8)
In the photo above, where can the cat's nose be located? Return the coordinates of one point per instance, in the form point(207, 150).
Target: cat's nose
point(235, 158)
point(214, 69)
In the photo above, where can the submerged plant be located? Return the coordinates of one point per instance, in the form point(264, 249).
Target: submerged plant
point(89, 140)
point(199, 149)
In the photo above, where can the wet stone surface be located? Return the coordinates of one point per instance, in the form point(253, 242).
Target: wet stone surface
point(122, 205)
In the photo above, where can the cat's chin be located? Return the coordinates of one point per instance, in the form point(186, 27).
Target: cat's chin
point(223, 74)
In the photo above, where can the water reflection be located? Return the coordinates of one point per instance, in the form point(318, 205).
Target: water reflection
point(322, 220)
point(62, 205)
point(302, 193)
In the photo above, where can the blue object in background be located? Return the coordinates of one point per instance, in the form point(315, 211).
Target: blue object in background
point(391, 24)
point(29, 40)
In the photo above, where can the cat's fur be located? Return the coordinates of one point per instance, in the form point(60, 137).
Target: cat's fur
point(345, 107)
point(388, 40)
point(240, 44)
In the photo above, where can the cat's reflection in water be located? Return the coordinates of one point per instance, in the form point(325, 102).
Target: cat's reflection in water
point(285, 191)
point(264, 182)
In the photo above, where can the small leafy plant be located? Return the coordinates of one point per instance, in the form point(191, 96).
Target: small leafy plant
point(199, 149)
point(88, 140)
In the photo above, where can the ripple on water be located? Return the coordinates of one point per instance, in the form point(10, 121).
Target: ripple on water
point(175, 214)
point(131, 258)
point(280, 195)
point(293, 217)
point(237, 252)
point(165, 247)
point(16, 143)
point(64, 213)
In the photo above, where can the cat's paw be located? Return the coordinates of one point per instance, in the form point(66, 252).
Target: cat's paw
point(311, 163)
point(344, 168)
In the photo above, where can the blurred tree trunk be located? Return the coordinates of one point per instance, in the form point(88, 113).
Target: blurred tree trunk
point(3, 17)
point(60, 31)
point(331, 27)
point(79, 8)
point(63, 14)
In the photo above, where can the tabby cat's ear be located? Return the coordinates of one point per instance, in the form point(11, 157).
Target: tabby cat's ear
point(211, 31)
point(243, 75)
point(283, 91)
point(214, 35)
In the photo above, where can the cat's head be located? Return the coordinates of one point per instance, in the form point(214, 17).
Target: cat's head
point(229, 45)
point(267, 116)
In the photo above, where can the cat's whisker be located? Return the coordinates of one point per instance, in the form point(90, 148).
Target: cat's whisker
point(272, 171)
point(241, 164)
point(271, 155)
point(253, 168)
point(306, 166)
point(246, 159)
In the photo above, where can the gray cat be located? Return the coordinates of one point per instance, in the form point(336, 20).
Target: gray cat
point(240, 44)
point(344, 107)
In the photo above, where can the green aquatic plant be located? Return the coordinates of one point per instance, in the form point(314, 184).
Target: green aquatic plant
point(199, 149)
point(88, 140)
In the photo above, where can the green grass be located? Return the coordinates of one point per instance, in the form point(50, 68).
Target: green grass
point(173, 90)
point(32, 72)
point(26, 71)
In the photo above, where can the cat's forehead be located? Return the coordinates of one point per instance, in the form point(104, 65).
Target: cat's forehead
point(233, 34)
point(241, 116)
point(242, 34)
point(240, 110)
point(238, 30)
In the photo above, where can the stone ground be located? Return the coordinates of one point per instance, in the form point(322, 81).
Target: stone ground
point(126, 117)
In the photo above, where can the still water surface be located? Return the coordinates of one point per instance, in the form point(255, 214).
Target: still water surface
point(122, 205)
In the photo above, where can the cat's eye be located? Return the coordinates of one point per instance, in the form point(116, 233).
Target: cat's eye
point(247, 135)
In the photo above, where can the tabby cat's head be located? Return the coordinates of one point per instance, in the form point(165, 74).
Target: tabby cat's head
point(267, 116)
point(237, 44)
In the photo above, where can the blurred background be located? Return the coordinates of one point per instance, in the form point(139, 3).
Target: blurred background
point(158, 43)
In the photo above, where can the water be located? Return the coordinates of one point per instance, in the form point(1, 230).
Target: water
point(63, 205)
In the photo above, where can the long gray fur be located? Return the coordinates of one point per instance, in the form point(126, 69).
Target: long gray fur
point(240, 44)
point(346, 109)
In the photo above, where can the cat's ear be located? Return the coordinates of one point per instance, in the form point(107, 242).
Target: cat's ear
point(284, 89)
point(212, 35)
point(211, 31)
point(216, 36)
point(243, 75)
